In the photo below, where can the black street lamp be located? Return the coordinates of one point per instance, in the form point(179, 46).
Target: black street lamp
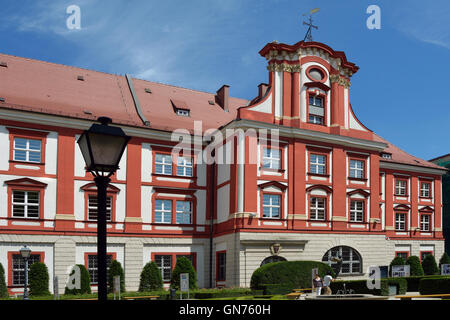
point(25, 252)
point(102, 147)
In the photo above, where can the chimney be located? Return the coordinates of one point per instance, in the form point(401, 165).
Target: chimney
point(262, 90)
point(222, 96)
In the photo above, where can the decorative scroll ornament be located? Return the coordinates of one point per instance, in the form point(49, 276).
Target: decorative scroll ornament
point(335, 78)
point(284, 67)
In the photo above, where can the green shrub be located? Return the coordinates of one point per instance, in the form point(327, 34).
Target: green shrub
point(150, 278)
point(429, 265)
point(3, 287)
point(415, 266)
point(115, 269)
point(183, 265)
point(397, 261)
point(225, 292)
point(434, 285)
point(290, 274)
point(360, 286)
point(85, 282)
point(38, 279)
point(445, 259)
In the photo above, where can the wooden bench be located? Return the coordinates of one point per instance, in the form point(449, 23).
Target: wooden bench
point(302, 290)
point(442, 295)
point(141, 297)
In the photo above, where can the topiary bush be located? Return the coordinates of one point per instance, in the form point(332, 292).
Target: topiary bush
point(85, 283)
point(115, 269)
point(151, 278)
point(38, 279)
point(397, 261)
point(360, 286)
point(445, 259)
point(3, 288)
point(429, 265)
point(434, 285)
point(415, 266)
point(288, 274)
point(183, 265)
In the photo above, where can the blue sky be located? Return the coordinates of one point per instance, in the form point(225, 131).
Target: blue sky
point(401, 91)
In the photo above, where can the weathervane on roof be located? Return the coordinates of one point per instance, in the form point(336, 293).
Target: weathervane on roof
point(308, 36)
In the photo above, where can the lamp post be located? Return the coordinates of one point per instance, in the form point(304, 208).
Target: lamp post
point(102, 147)
point(25, 252)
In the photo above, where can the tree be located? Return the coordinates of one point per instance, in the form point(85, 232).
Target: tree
point(183, 266)
point(151, 278)
point(445, 259)
point(85, 282)
point(115, 269)
point(397, 261)
point(38, 279)
point(429, 265)
point(3, 287)
point(415, 266)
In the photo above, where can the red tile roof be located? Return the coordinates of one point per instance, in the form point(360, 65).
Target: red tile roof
point(45, 87)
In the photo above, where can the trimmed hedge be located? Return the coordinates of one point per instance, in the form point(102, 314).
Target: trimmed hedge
point(85, 285)
point(224, 293)
point(360, 286)
point(39, 279)
point(183, 265)
point(415, 266)
point(429, 265)
point(151, 278)
point(115, 269)
point(434, 285)
point(283, 276)
point(397, 261)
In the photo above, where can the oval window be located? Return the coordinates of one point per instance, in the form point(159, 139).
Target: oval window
point(316, 74)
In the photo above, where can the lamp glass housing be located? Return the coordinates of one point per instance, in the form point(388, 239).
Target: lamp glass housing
point(25, 252)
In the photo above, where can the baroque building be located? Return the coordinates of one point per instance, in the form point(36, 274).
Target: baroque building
point(298, 178)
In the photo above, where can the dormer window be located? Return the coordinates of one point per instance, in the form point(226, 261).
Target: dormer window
point(183, 112)
point(316, 109)
point(386, 155)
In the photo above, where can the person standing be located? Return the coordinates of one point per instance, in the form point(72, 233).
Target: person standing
point(326, 283)
point(317, 283)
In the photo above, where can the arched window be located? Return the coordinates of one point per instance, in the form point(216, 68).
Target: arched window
point(272, 259)
point(351, 260)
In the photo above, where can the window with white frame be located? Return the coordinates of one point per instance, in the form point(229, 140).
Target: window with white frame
point(317, 208)
point(163, 211)
point(356, 211)
point(184, 212)
point(356, 169)
point(25, 204)
point(163, 164)
point(271, 206)
point(93, 266)
point(400, 221)
point(164, 263)
point(18, 268)
point(27, 150)
point(184, 166)
point(351, 260)
point(400, 187)
point(271, 158)
point(317, 163)
point(93, 207)
point(316, 109)
point(425, 188)
point(425, 222)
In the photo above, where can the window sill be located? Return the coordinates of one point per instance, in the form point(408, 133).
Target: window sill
point(318, 175)
point(357, 179)
point(27, 162)
point(272, 170)
point(425, 198)
point(401, 195)
point(173, 176)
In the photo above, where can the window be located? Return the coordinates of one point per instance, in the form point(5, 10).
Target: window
point(93, 205)
point(165, 263)
point(425, 188)
point(221, 266)
point(27, 150)
point(317, 208)
point(356, 211)
point(93, 266)
point(18, 268)
point(400, 187)
point(425, 222)
point(316, 109)
point(163, 211)
point(271, 206)
point(357, 169)
point(163, 164)
point(184, 212)
point(400, 221)
point(403, 254)
point(271, 158)
point(25, 204)
point(272, 259)
point(386, 155)
point(183, 112)
point(184, 166)
point(350, 260)
point(423, 254)
point(317, 164)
